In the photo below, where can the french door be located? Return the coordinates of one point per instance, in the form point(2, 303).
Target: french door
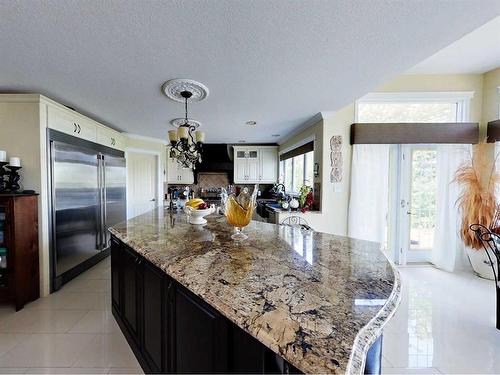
point(417, 202)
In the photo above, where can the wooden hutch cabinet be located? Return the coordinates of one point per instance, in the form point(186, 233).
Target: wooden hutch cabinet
point(19, 270)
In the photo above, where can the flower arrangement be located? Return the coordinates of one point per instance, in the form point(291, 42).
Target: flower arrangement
point(477, 177)
point(306, 198)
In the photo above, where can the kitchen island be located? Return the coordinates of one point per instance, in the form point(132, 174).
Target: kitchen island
point(190, 299)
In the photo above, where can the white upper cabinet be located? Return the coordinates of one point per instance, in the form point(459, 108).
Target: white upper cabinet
point(177, 175)
point(72, 123)
point(255, 164)
point(110, 138)
point(268, 165)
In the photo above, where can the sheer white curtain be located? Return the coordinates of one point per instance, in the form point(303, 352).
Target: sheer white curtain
point(368, 204)
point(448, 252)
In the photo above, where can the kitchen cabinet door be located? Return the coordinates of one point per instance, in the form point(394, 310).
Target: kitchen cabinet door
point(186, 175)
point(154, 317)
point(176, 174)
point(268, 165)
point(252, 171)
point(172, 169)
point(240, 165)
point(109, 138)
point(131, 263)
point(71, 123)
point(240, 171)
point(200, 341)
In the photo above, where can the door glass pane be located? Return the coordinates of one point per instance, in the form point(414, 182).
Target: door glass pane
point(252, 155)
point(423, 199)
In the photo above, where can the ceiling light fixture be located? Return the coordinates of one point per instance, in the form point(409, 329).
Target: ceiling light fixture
point(275, 135)
point(186, 147)
point(251, 123)
point(186, 142)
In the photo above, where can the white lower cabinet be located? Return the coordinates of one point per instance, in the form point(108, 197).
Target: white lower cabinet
point(255, 164)
point(176, 174)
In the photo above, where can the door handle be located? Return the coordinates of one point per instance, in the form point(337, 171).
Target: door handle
point(152, 200)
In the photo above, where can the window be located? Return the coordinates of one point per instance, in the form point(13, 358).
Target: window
point(297, 171)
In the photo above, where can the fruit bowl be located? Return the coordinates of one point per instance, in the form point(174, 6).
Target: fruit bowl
point(197, 216)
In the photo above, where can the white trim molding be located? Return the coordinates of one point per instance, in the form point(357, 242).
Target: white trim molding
point(302, 142)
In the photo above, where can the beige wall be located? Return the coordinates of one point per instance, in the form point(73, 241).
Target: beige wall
point(334, 197)
point(151, 144)
point(448, 82)
point(491, 96)
point(23, 134)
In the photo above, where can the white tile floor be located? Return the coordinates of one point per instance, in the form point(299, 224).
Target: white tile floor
point(69, 332)
point(445, 324)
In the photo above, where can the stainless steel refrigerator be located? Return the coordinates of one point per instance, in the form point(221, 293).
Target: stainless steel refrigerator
point(88, 185)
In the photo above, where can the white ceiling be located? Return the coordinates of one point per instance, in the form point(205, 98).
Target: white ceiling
point(276, 62)
point(477, 52)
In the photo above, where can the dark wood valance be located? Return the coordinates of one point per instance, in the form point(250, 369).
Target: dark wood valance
point(308, 147)
point(493, 131)
point(415, 133)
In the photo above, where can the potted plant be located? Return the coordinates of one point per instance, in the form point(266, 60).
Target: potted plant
point(306, 198)
point(477, 177)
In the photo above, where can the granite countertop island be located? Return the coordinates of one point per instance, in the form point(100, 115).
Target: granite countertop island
point(316, 299)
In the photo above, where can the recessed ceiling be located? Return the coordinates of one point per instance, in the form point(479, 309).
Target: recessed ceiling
point(275, 62)
point(477, 52)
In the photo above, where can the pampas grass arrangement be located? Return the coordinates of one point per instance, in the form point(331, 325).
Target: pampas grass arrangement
point(477, 178)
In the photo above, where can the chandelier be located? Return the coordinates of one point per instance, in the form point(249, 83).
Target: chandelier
point(186, 142)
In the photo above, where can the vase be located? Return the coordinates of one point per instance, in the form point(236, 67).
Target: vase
point(481, 263)
point(239, 210)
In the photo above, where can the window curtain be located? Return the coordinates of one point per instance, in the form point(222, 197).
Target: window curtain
point(448, 252)
point(368, 203)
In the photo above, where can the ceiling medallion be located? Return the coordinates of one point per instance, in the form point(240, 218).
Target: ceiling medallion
point(181, 121)
point(173, 88)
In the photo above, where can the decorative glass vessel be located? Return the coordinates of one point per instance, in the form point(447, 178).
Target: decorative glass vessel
point(239, 210)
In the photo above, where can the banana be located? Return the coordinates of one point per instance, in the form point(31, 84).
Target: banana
point(195, 202)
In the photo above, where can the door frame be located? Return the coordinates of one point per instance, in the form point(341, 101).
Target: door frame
point(461, 98)
point(159, 181)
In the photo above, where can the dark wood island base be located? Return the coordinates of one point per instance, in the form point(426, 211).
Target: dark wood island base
point(171, 330)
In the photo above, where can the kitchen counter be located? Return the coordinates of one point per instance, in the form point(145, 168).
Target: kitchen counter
point(319, 301)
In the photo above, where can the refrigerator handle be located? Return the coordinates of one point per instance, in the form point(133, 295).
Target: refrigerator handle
point(101, 198)
point(53, 205)
point(104, 202)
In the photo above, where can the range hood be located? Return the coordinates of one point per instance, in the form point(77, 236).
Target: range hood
point(216, 158)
